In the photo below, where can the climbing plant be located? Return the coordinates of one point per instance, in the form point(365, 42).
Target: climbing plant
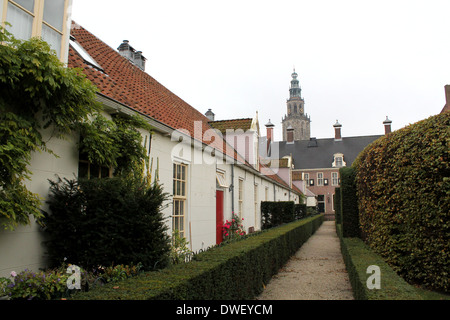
point(115, 143)
point(37, 92)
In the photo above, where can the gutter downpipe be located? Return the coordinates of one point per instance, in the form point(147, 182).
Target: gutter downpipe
point(232, 187)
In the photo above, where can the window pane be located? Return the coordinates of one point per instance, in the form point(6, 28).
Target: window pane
point(27, 4)
point(21, 22)
point(54, 13)
point(178, 172)
point(183, 189)
point(183, 173)
point(52, 37)
point(178, 191)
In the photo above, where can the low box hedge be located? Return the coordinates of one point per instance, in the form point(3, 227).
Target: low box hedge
point(234, 271)
point(358, 257)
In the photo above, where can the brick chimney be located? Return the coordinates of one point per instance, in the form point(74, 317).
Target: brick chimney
point(447, 98)
point(132, 55)
point(337, 131)
point(387, 126)
point(290, 134)
point(269, 127)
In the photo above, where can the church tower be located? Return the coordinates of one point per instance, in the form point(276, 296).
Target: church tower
point(296, 119)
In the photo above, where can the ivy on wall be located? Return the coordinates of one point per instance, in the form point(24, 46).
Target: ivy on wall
point(39, 92)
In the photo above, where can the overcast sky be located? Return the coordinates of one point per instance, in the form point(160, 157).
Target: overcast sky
point(358, 61)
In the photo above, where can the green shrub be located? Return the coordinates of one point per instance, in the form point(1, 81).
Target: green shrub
point(403, 184)
point(358, 257)
point(349, 203)
point(337, 205)
point(103, 222)
point(300, 211)
point(276, 213)
point(234, 271)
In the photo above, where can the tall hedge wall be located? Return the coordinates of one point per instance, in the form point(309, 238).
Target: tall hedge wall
point(349, 203)
point(337, 205)
point(403, 185)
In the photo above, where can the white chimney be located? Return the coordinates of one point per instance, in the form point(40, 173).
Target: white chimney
point(131, 54)
point(210, 115)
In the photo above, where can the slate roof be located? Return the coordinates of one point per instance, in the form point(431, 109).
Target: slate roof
point(319, 153)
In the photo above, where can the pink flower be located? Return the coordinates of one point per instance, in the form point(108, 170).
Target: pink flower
point(13, 274)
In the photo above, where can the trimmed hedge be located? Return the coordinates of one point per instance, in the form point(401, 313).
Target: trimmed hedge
point(403, 185)
point(234, 271)
point(337, 205)
point(358, 257)
point(349, 203)
point(275, 213)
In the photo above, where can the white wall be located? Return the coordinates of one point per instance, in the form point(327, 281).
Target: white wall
point(23, 248)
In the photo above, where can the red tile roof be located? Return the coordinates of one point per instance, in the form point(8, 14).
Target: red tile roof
point(234, 124)
point(124, 82)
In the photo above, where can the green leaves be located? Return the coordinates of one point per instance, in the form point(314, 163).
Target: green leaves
point(114, 143)
point(404, 199)
point(107, 221)
point(36, 92)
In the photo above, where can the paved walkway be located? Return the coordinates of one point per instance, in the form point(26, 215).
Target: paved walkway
point(316, 272)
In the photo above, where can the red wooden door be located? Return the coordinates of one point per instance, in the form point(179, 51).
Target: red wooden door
point(219, 216)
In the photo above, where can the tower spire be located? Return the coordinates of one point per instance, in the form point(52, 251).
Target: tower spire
point(296, 120)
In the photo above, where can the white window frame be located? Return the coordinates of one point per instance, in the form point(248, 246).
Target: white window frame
point(179, 199)
point(338, 160)
point(240, 197)
point(38, 23)
point(320, 179)
point(335, 179)
point(306, 178)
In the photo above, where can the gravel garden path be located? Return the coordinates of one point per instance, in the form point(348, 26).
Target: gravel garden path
point(316, 272)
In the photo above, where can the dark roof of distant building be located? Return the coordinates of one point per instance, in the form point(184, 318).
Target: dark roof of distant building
point(319, 153)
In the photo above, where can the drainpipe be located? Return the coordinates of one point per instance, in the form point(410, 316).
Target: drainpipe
point(232, 188)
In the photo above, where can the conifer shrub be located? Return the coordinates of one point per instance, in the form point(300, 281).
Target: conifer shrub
point(275, 213)
point(104, 222)
point(403, 185)
point(300, 211)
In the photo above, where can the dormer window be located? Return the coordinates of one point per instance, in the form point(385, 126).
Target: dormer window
point(338, 160)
